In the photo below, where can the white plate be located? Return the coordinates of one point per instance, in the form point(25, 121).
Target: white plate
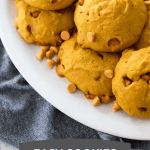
point(53, 89)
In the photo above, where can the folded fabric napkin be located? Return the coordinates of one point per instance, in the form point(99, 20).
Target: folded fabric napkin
point(25, 116)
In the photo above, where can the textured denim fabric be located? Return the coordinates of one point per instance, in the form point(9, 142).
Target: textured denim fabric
point(25, 116)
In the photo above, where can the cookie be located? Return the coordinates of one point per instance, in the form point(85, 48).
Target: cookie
point(90, 71)
point(109, 26)
point(50, 4)
point(131, 85)
point(145, 36)
point(42, 27)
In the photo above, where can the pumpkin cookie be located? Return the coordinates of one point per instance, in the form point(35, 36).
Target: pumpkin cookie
point(90, 71)
point(109, 25)
point(145, 37)
point(131, 84)
point(50, 4)
point(42, 27)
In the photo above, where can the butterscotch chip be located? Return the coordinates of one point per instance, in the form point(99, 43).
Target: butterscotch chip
point(116, 106)
point(50, 54)
point(90, 36)
point(71, 87)
point(127, 82)
point(50, 63)
point(81, 2)
point(45, 48)
point(55, 49)
point(65, 35)
point(106, 99)
point(96, 101)
point(146, 77)
point(40, 55)
point(60, 70)
point(89, 96)
point(35, 14)
point(109, 73)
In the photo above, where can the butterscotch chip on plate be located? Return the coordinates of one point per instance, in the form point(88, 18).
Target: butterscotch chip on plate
point(45, 48)
point(50, 4)
point(85, 68)
point(96, 101)
point(116, 106)
point(50, 63)
point(109, 25)
point(54, 48)
point(131, 83)
point(71, 87)
point(43, 27)
point(40, 55)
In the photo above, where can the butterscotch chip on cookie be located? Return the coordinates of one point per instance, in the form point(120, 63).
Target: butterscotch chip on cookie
point(85, 68)
point(109, 25)
point(131, 85)
point(42, 27)
point(50, 4)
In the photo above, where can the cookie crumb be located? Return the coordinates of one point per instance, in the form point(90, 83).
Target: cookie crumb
point(40, 55)
point(50, 54)
point(65, 35)
point(71, 87)
point(96, 101)
point(45, 48)
point(116, 106)
point(54, 48)
point(50, 63)
point(109, 73)
point(91, 36)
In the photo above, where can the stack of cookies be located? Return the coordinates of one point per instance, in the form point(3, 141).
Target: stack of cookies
point(108, 55)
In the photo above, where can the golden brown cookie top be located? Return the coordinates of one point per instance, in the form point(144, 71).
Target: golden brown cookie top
point(109, 26)
point(50, 4)
point(43, 27)
point(131, 84)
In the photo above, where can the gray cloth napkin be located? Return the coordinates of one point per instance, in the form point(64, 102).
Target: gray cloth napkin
point(25, 116)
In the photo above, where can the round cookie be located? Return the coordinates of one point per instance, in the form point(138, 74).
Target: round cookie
point(131, 84)
point(145, 37)
point(109, 26)
point(89, 70)
point(42, 27)
point(50, 4)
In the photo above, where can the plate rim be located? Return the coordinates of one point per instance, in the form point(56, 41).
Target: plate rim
point(8, 45)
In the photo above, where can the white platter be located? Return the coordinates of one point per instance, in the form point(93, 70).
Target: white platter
point(53, 89)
